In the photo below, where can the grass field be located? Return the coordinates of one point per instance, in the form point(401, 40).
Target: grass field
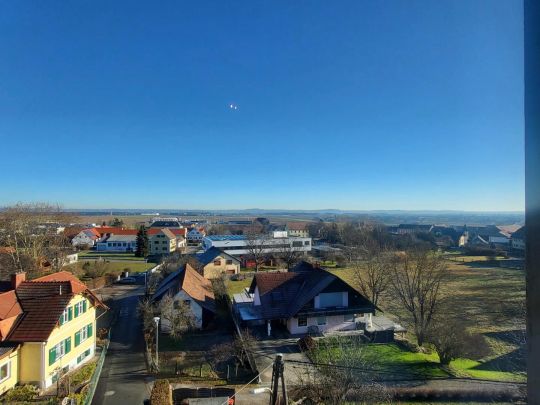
point(92, 254)
point(113, 267)
point(235, 287)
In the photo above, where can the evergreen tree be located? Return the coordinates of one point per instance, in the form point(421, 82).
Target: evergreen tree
point(142, 243)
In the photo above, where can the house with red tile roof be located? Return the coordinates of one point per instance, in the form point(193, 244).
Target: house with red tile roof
point(86, 238)
point(188, 287)
point(47, 328)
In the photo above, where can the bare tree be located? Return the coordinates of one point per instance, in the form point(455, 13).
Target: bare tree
point(289, 254)
point(177, 316)
point(257, 244)
point(373, 275)
point(416, 282)
point(341, 374)
point(30, 231)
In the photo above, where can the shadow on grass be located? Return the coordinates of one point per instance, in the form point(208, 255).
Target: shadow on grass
point(515, 361)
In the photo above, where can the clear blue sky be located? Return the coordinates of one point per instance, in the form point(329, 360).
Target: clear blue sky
point(348, 104)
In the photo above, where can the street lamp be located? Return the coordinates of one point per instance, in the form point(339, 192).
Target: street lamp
point(156, 320)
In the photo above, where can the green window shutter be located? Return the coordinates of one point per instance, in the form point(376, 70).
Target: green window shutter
point(76, 311)
point(90, 330)
point(52, 356)
point(70, 313)
point(68, 344)
point(77, 338)
point(84, 306)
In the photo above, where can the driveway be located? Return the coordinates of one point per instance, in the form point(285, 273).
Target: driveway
point(124, 379)
point(266, 351)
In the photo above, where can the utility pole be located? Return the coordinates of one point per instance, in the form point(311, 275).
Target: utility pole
point(278, 374)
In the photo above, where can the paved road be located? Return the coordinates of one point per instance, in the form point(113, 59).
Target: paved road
point(124, 379)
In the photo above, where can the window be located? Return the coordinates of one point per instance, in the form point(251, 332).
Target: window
point(329, 300)
point(5, 371)
point(83, 356)
point(58, 351)
point(297, 244)
point(187, 302)
point(83, 334)
point(80, 308)
point(228, 261)
point(217, 262)
point(306, 243)
point(66, 316)
point(321, 320)
point(302, 321)
point(348, 318)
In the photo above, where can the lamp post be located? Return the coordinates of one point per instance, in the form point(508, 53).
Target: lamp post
point(156, 320)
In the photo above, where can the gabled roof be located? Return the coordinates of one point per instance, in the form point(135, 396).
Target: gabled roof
point(296, 226)
point(192, 283)
point(42, 302)
point(209, 256)
point(115, 231)
point(283, 295)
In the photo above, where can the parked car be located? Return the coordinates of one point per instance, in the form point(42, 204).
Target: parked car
point(127, 280)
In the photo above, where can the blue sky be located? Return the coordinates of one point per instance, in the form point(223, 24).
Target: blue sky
point(349, 104)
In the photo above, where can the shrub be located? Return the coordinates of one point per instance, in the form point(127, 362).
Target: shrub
point(307, 343)
point(161, 393)
point(79, 398)
point(21, 393)
point(84, 374)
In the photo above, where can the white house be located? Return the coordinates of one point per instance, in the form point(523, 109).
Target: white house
point(187, 287)
point(195, 236)
point(86, 237)
point(118, 243)
point(306, 299)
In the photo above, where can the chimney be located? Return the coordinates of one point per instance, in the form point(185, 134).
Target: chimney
point(17, 279)
point(60, 289)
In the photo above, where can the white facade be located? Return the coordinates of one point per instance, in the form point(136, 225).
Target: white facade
point(84, 239)
point(239, 245)
point(194, 236)
point(300, 325)
point(183, 298)
point(120, 243)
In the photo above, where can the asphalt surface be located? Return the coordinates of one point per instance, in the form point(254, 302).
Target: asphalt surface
point(124, 379)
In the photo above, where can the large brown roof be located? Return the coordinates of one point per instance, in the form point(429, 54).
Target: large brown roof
point(268, 281)
point(42, 303)
point(196, 286)
point(39, 304)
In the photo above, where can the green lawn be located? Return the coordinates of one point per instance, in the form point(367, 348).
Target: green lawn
point(473, 369)
point(235, 287)
point(113, 267)
point(92, 254)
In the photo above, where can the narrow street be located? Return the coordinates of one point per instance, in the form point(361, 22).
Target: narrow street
point(124, 377)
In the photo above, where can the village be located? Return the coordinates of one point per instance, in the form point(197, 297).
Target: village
point(177, 310)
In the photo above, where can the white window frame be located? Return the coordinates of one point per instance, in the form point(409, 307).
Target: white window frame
point(80, 309)
point(65, 316)
point(298, 321)
point(60, 349)
point(83, 334)
point(8, 375)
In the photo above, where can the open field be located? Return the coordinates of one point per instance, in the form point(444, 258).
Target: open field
point(115, 267)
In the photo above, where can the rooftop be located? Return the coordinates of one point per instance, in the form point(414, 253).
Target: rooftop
point(218, 238)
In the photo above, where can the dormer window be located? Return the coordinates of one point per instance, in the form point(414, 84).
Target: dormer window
point(66, 316)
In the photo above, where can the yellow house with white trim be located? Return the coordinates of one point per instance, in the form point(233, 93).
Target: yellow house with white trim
point(52, 330)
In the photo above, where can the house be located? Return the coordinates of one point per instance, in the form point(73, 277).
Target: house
point(195, 236)
point(86, 238)
point(213, 262)
point(118, 243)
point(161, 241)
point(47, 327)
point(306, 299)
point(517, 239)
point(488, 236)
point(188, 287)
point(297, 229)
